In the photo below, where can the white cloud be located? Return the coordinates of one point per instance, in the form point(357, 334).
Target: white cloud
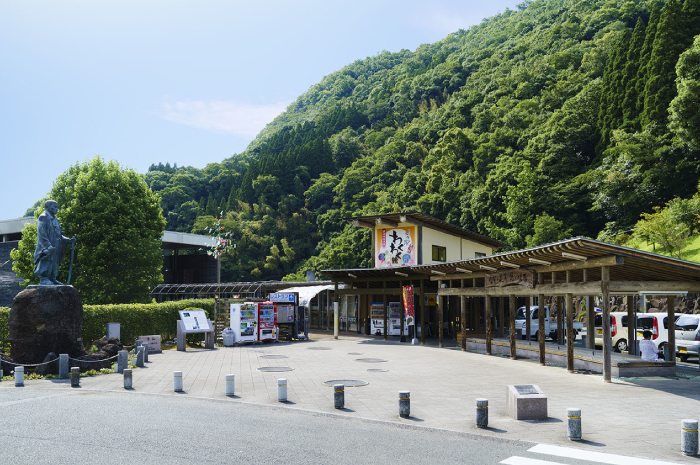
point(241, 119)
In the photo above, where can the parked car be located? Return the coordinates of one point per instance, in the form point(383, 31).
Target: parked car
point(550, 324)
point(657, 323)
point(687, 336)
point(618, 330)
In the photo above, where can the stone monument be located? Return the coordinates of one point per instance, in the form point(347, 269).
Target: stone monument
point(47, 318)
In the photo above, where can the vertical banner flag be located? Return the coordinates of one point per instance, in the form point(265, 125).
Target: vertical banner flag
point(407, 292)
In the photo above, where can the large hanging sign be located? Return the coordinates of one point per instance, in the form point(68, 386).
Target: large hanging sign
point(511, 277)
point(408, 308)
point(395, 247)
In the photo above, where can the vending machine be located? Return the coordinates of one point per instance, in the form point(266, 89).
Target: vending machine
point(376, 315)
point(286, 314)
point(394, 319)
point(244, 321)
point(267, 323)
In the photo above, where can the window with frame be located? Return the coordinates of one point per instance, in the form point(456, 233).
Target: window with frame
point(439, 253)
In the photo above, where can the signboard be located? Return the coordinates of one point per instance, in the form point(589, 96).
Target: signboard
point(152, 343)
point(511, 277)
point(283, 297)
point(194, 320)
point(395, 247)
point(408, 304)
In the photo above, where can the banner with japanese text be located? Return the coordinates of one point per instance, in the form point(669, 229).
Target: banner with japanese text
point(395, 247)
point(408, 307)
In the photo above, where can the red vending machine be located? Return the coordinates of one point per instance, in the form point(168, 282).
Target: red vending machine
point(267, 323)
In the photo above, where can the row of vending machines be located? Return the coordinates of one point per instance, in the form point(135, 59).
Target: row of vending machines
point(393, 319)
point(266, 321)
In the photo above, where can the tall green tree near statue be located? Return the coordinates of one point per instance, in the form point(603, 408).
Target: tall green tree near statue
point(119, 225)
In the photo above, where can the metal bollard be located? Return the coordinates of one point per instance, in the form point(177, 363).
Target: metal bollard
point(63, 361)
point(282, 390)
point(19, 376)
point(404, 404)
point(482, 413)
point(128, 379)
point(574, 424)
point(75, 377)
point(689, 437)
point(139, 356)
point(230, 385)
point(177, 381)
point(339, 396)
point(122, 361)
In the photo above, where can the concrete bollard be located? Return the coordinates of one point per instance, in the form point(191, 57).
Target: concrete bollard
point(177, 381)
point(482, 413)
point(573, 431)
point(128, 379)
point(139, 356)
point(63, 360)
point(404, 404)
point(19, 376)
point(230, 385)
point(145, 354)
point(339, 396)
point(689, 437)
point(122, 361)
point(282, 390)
point(75, 377)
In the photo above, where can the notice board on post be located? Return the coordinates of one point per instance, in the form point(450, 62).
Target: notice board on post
point(194, 321)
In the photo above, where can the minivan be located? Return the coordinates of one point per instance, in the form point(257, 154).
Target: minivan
point(687, 336)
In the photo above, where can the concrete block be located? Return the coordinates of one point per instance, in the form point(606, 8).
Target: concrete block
point(526, 402)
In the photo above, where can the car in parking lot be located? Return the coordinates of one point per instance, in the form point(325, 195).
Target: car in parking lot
point(618, 330)
point(687, 336)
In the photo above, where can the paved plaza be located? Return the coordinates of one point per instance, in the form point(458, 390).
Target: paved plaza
point(634, 416)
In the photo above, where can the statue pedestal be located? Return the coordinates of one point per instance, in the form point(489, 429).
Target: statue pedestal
point(46, 319)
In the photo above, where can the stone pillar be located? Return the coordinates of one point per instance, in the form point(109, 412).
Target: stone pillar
point(689, 437)
point(339, 396)
point(122, 361)
point(574, 424)
point(230, 385)
point(75, 377)
point(282, 390)
point(63, 368)
point(404, 404)
point(482, 413)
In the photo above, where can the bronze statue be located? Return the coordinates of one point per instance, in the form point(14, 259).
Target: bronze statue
point(50, 245)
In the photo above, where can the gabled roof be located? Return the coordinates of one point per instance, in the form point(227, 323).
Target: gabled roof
point(426, 220)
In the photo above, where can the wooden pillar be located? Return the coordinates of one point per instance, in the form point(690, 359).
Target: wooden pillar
point(500, 325)
point(671, 303)
point(489, 324)
point(570, 332)
point(560, 320)
point(631, 326)
point(463, 317)
point(607, 341)
point(513, 308)
point(421, 300)
point(528, 316)
point(439, 314)
point(590, 331)
point(540, 323)
point(386, 312)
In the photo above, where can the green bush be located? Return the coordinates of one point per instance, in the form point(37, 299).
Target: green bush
point(135, 319)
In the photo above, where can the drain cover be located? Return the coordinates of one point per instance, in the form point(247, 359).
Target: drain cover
point(376, 370)
point(275, 369)
point(273, 356)
point(346, 382)
point(354, 353)
point(370, 360)
point(319, 348)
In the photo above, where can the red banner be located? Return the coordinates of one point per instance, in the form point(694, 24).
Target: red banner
point(409, 310)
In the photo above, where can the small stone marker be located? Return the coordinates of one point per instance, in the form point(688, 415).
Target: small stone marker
point(122, 361)
point(128, 380)
point(574, 424)
point(526, 402)
point(75, 377)
point(63, 361)
point(139, 356)
point(177, 381)
point(689, 437)
point(404, 404)
point(230, 385)
point(339, 396)
point(19, 376)
point(282, 390)
point(482, 413)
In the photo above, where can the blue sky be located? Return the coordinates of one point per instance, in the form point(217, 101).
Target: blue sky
point(187, 82)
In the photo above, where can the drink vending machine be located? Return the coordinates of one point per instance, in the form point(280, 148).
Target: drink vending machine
point(287, 314)
point(376, 315)
point(395, 319)
point(244, 321)
point(267, 323)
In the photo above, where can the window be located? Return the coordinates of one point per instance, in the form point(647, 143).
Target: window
point(479, 254)
point(439, 254)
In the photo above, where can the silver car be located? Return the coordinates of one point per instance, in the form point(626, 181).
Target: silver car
point(687, 336)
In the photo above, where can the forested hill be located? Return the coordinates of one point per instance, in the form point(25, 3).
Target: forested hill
point(561, 118)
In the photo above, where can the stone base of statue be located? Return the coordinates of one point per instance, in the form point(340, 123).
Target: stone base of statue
point(46, 319)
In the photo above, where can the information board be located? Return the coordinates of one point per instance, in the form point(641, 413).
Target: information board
point(284, 297)
point(194, 320)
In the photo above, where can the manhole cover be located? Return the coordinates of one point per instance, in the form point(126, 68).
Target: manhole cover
point(354, 353)
point(275, 369)
point(346, 382)
point(273, 356)
point(370, 360)
point(377, 370)
point(319, 348)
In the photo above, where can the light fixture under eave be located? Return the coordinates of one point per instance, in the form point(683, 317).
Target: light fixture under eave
point(488, 268)
point(398, 273)
point(352, 275)
point(573, 256)
point(510, 265)
point(439, 273)
point(537, 261)
point(462, 270)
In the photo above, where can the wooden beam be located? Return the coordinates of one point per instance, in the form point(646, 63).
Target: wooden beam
point(369, 291)
point(470, 275)
point(589, 288)
point(438, 273)
point(635, 287)
point(398, 273)
point(386, 222)
point(537, 261)
point(509, 264)
point(574, 256)
point(488, 268)
point(463, 270)
point(362, 224)
point(609, 260)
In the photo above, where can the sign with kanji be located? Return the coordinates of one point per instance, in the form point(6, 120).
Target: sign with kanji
point(395, 247)
point(408, 306)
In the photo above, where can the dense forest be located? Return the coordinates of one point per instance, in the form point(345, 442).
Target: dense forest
point(563, 117)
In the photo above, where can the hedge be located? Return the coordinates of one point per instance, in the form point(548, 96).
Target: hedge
point(135, 319)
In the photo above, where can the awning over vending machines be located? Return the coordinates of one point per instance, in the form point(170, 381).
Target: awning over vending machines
point(306, 293)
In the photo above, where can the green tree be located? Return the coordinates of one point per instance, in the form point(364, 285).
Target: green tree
point(23, 256)
point(685, 108)
point(119, 225)
point(547, 229)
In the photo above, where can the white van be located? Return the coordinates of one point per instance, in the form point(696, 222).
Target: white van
point(687, 336)
point(618, 330)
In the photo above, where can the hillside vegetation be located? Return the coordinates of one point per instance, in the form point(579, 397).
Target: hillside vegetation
point(565, 117)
